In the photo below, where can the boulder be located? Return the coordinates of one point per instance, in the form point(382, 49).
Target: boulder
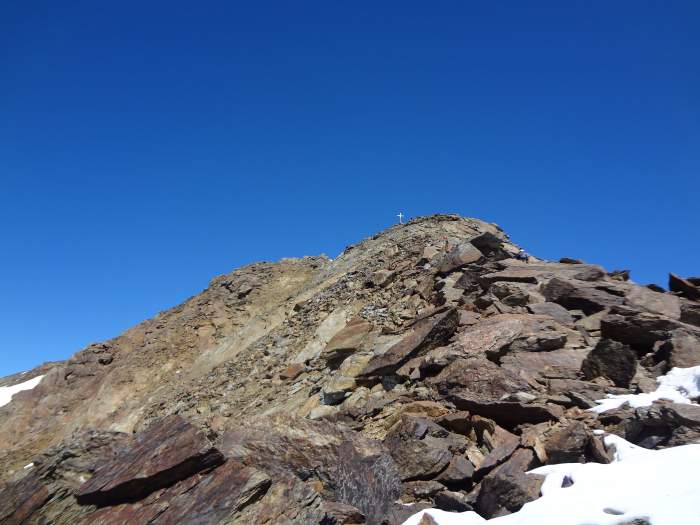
point(640, 297)
point(426, 334)
point(682, 349)
point(568, 443)
point(611, 359)
point(683, 287)
point(344, 466)
point(167, 452)
point(459, 471)
point(563, 363)
point(349, 340)
point(508, 487)
point(579, 295)
point(417, 454)
point(214, 498)
point(553, 310)
point(477, 379)
point(458, 257)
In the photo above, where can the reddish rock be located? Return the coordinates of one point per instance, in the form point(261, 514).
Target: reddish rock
point(167, 452)
point(508, 487)
point(459, 256)
point(346, 342)
point(292, 371)
point(425, 335)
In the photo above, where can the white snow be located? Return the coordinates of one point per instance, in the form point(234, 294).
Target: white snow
point(659, 485)
point(6, 392)
point(680, 385)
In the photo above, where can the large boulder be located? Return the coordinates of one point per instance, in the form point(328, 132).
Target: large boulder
point(458, 257)
point(342, 465)
point(419, 454)
point(508, 487)
point(167, 452)
point(682, 349)
point(579, 295)
point(683, 287)
point(613, 360)
point(426, 334)
point(349, 340)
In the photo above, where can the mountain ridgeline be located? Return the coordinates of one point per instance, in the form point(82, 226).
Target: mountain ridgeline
point(427, 366)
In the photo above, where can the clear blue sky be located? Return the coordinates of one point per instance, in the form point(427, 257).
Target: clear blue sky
point(146, 147)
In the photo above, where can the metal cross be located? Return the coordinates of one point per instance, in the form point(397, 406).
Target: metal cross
point(400, 216)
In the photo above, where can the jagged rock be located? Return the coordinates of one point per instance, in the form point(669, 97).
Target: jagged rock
point(683, 287)
point(346, 342)
point(428, 333)
point(502, 333)
point(655, 302)
point(613, 360)
point(568, 444)
point(450, 501)
point(640, 330)
point(458, 471)
point(477, 379)
point(579, 295)
point(690, 312)
point(500, 443)
point(508, 488)
point(213, 498)
point(169, 451)
point(460, 256)
point(553, 310)
point(348, 467)
point(682, 349)
point(418, 455)
point(620, 275)
point(563, 363)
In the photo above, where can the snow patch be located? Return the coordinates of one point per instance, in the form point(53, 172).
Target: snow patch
point(659, 485)
point(680, 385)
point(6, 392)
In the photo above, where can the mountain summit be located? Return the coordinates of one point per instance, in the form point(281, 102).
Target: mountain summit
point(429, 366)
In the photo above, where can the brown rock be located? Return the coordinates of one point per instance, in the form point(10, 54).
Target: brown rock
point(346, 466)
point(654, 302)
point(579, 295)
point(167, 452)
point(683, 287)
point(682, 348)
point(508, 488)
point(425, 335)
point(613, 360)
point(461, 255)
point(418, 456)
point(346, 342)
point(458, 471)
point(292, 371)
point(553, 310)
point(568, 444)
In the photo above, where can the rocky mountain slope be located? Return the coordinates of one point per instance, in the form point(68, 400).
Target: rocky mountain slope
point(424, 367)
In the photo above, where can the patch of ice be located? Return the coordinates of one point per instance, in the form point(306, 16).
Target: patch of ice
point(6, 392)
point(680, 385)
point(28, 466)
point(659, 485)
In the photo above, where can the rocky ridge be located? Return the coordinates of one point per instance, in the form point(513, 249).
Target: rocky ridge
point(423, 367)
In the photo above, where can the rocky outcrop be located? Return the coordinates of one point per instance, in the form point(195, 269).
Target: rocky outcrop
point(423, 367)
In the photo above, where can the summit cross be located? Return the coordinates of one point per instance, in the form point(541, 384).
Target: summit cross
point(400, 216)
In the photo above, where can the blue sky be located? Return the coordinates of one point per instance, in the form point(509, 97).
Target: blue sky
point(146, 147)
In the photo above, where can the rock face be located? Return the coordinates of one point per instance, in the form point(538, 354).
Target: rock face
point(423, 367)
